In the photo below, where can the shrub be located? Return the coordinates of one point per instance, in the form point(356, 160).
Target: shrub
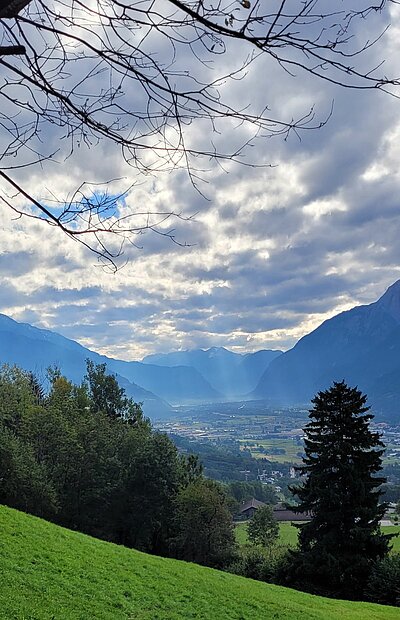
point(384, 583)
point(256, 562)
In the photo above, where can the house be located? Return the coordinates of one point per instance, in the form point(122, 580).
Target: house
point(285, 514)
point(281, 513)
point(248, 509)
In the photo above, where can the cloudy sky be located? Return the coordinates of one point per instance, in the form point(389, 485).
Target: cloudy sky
point(271, 251)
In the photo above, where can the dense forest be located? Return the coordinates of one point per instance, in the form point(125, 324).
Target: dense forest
point(86, 458)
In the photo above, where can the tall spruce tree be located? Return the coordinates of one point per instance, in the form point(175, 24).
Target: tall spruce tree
point(339, 545)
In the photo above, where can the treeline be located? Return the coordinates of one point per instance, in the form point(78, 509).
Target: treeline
point(86, 458)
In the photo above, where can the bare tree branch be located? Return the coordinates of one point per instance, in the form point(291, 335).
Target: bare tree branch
point(142, 76)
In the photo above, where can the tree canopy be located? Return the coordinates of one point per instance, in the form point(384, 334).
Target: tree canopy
point(263, 528)
point(86, 458)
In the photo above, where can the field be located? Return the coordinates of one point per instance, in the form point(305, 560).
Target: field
point(275, 450)
point(49, 573)
point(394, 529)
point(288, 535)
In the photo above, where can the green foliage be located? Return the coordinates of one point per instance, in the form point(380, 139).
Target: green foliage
point(253, 563)
point(203, 524)
point(16, 395)
point(36, 389)
point(391, 493)
point(384, 583)
point(222, 461)
point(192, 468)
point(142, 503)
point(24, 483)
point(108, 397)
point(86, 458)
point(263, 528)
point(244, 491)
point(258, 562)
point(339, 546)
point(49, 572)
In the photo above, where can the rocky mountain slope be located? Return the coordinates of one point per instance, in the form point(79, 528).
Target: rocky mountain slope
point(361, 346)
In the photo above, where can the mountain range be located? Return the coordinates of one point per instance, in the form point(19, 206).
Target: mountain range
point(158, 385)
point(361, 346)
point(229, 373)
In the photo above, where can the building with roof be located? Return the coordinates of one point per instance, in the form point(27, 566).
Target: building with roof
point(281, 513)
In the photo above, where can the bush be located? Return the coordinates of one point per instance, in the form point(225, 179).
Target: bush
point(255, 562)
point(384, 583)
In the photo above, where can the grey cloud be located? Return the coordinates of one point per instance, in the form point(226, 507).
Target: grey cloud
point(13, 264)
point(10, 295)
point(57, 295)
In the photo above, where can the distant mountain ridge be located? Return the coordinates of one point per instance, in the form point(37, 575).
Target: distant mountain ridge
point(231, 374)
point(156, 385)
point(361, 346)
point(36, 349)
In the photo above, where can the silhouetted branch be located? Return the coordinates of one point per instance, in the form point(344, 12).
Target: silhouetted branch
point(142, 76)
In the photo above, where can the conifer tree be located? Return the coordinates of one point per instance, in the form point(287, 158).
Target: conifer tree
point(341, 491)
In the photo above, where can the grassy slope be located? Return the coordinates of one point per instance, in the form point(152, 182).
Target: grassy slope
point(49, 573)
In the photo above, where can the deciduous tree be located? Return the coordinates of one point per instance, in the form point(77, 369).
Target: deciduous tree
point(107, 396)
point(263, 528)
point(204, 529)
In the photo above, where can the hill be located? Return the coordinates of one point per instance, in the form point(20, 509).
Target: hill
point(361, 346)
point(50, 572)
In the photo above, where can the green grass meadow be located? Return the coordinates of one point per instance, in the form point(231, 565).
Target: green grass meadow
point(288, 534)
point(290, 455)
point(50, 573)
point(394, 529)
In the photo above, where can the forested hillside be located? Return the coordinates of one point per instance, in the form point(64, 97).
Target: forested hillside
point(85, 457)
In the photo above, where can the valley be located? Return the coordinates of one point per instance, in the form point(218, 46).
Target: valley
point(253, 440)
point(268, 433)
point(200, 310)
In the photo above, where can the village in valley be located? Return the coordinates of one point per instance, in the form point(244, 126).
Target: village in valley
point(269, 441)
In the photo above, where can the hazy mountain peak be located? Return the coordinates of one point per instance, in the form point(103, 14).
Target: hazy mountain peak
point(361, 346)
point(219, 351)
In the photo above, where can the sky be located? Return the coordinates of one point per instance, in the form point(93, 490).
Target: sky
point(270, 252)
